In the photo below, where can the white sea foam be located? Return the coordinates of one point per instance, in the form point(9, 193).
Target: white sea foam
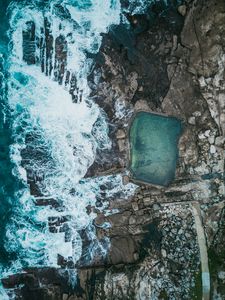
point(67, 133)
point(140, 6)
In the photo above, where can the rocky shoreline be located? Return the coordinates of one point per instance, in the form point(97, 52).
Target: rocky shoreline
point(168, 61)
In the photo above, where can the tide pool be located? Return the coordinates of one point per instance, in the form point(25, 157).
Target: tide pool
point(153, 148)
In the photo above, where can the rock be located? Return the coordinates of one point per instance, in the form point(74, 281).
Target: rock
point(175, 44)
point(146, 192)
point(156, 206)
point(122, 145)
point(180, 231)
point(211, 139)
point(100, 219)
point(164, 254)
point(134, 206)
point(201, 136)
point(197, 114)
point(147, 201)
point(221, 275)
point(141, 105)
point(126, 179)
point(192, 121)
point(182, 9)
point(207, 133)
point(212, 149)
point(219, 141)
point(132, 220)
point(136, 256)
point(221, 190)
point(122, 250)
point(219, 166)
point(120, 134)
point(174, 230)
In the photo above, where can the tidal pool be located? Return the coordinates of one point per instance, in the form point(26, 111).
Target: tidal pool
point(153, 148)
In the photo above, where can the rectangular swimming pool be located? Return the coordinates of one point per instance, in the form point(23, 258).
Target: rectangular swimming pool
point(153, 148)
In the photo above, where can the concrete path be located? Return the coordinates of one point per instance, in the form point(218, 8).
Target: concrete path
point(203, 251)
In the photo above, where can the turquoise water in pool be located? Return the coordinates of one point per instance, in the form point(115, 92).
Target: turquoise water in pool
point(153, 148)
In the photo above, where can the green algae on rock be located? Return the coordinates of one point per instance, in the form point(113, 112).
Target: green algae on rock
point(153, 148)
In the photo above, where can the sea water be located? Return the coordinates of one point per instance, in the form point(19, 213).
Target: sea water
point(48, 136)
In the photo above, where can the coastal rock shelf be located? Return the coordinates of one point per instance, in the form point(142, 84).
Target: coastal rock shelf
point(153, 148)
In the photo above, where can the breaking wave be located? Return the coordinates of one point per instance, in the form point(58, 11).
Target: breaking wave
point(56, 129)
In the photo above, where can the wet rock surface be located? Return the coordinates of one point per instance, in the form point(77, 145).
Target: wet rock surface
point(169, 60)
